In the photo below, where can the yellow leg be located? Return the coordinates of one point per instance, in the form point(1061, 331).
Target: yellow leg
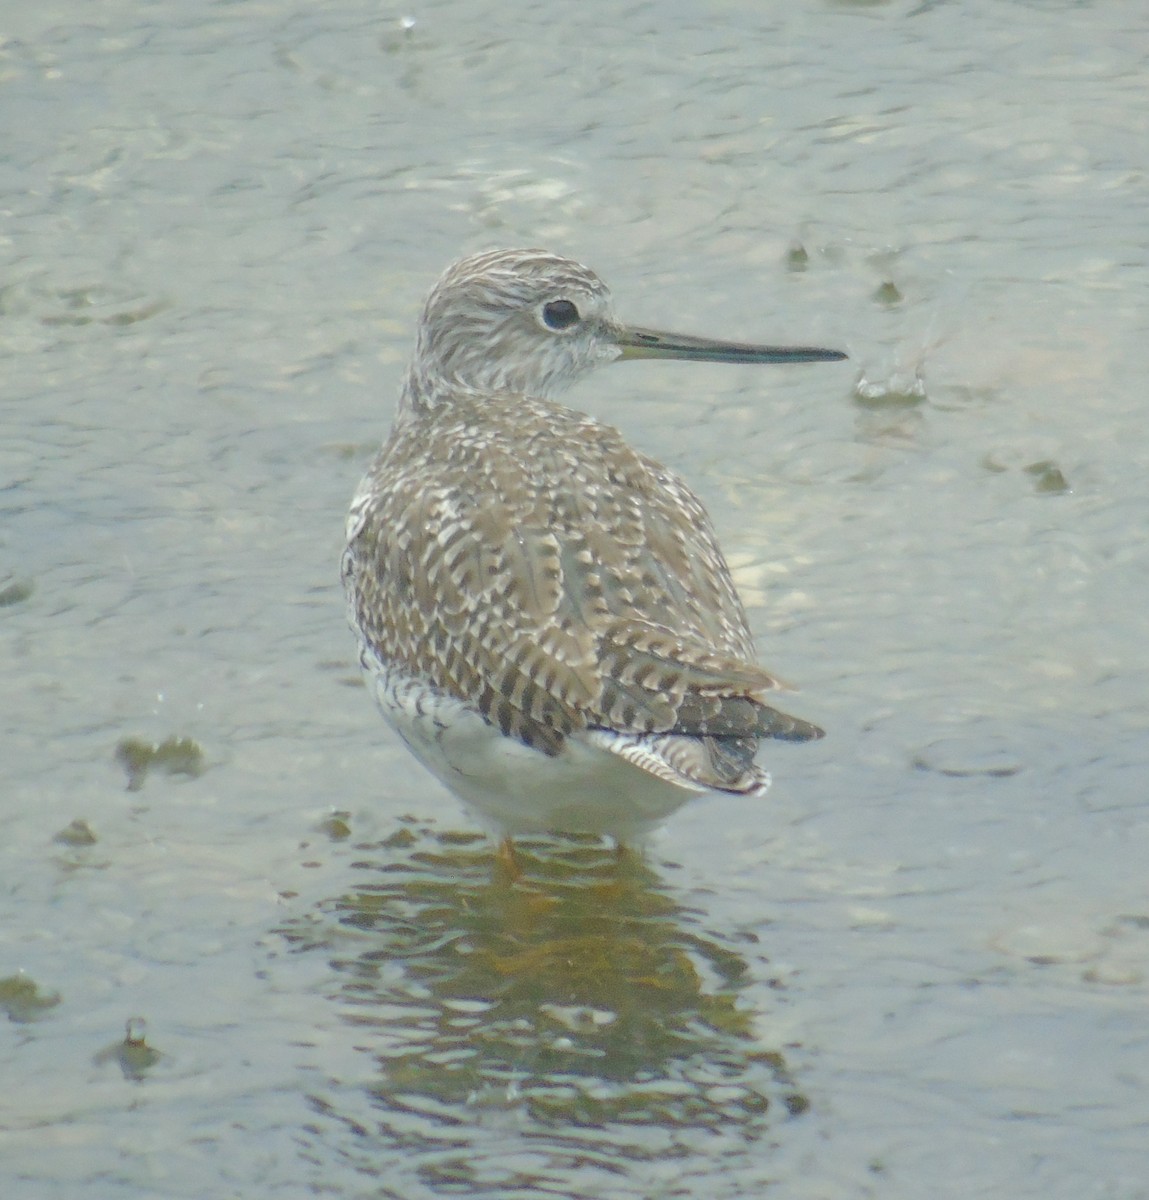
point(507, 860)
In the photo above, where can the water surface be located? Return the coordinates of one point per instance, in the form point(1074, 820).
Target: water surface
point(920, 967)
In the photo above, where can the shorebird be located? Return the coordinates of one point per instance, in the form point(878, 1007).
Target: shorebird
point(544, 614)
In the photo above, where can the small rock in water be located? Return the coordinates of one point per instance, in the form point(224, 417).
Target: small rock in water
point(797, 257)
point(337, 826)
point(1048, 477)
point(78, 833)
point(15, 591)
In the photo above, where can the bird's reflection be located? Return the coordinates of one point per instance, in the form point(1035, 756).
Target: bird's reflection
point(567, 986)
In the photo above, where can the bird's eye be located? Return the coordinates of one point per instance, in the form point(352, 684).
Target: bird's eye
point(560, 314)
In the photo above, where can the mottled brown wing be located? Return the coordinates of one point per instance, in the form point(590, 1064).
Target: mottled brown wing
point(541, 570)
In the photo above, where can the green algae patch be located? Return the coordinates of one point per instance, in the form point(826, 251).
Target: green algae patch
point(23, 1000)
point(172, 756)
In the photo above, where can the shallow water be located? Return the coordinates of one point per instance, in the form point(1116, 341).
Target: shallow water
point(919, 969)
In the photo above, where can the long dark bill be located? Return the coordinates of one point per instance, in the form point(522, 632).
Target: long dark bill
point(651, 343)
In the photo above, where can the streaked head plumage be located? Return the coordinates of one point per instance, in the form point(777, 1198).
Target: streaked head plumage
point(523, 321)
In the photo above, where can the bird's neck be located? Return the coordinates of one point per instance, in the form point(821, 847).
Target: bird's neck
point(427, 393)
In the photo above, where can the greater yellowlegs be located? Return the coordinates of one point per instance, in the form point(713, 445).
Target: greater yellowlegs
point(544, 614)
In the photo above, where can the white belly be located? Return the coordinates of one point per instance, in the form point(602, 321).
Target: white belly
point(584, 789)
